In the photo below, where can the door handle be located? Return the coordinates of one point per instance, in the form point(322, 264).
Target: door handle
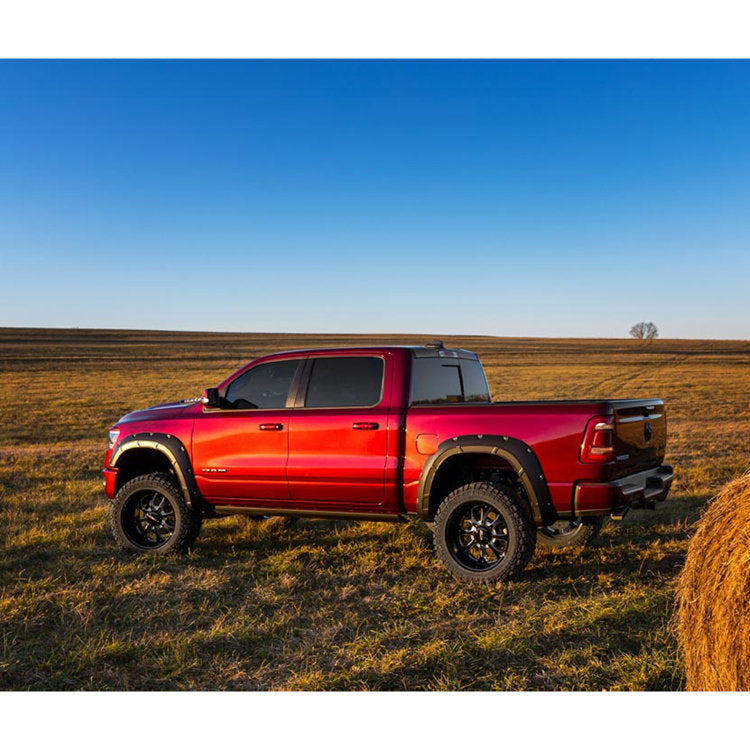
point(271, 426)
point(365, 426)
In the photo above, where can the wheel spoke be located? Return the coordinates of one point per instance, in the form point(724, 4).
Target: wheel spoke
point(472, 541)
point(499, 550)
point(498, 520)
point(478, 535)
point(150, 518)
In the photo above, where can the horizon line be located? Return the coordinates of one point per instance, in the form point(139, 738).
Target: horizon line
point(363, 334)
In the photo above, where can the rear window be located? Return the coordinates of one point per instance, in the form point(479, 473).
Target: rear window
point(345, 381)
point(437, 381)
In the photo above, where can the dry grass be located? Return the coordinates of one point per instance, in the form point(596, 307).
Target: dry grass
point(714, 595)
point(334, 605)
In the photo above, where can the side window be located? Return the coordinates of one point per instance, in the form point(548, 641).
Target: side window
point(264, 387)
point(437, 381)
point(345, 381)
point(475, 381)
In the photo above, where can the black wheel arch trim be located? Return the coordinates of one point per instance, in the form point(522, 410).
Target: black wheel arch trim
point(175, 452)
point(517, 453)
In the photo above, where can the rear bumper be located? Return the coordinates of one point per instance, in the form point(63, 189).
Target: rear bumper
point(639, 490)
point(110, 475)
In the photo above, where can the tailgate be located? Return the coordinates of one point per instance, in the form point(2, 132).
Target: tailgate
point(640, 434)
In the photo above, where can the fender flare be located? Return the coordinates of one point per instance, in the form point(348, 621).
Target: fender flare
point(176, 454)
point(517, 453)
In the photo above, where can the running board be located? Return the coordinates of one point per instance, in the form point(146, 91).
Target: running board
point(230, 510)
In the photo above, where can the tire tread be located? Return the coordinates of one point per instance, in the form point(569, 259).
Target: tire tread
point(186, 530)
point(519, 554)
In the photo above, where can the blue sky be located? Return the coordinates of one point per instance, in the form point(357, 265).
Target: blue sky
point(511, 198)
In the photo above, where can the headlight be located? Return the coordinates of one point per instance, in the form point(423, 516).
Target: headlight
point(113, 435)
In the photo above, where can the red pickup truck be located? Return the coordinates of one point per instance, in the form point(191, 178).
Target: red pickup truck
point(386, 433)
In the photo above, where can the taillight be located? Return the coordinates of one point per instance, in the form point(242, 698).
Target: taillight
point(599, 440)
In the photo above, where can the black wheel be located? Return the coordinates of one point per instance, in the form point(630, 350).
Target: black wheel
point(483, 533)
point(570, 532)
point(149, 514)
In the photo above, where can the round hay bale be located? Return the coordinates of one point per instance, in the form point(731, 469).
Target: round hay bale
point(713, 594)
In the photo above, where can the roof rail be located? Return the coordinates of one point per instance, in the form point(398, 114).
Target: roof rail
point(437, 343)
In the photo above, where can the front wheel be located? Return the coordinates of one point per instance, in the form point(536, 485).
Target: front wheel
point(149, 514)
point(575, 532)
point(483, 533)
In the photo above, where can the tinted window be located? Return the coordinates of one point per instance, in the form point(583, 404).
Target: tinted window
point(475, 382)
point(345, 381)
point(435, 381)
point(265, 386)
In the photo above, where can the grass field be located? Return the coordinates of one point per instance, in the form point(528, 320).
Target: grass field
point(334, 605)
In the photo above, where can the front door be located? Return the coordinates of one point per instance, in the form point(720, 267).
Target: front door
point(240, 450)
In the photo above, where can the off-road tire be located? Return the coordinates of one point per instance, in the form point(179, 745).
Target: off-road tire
point(186, 522)
point(484, 499)
point(577, 533)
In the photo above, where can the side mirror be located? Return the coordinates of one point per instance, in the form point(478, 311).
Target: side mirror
point(211, 398)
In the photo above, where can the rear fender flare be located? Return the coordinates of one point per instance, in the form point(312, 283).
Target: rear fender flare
point(176, 454)
point(517, 453)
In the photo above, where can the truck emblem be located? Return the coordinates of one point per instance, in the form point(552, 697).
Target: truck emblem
point(647, 431)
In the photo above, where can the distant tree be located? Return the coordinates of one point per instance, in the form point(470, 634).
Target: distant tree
point(644, 330)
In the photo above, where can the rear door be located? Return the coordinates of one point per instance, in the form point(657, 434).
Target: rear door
point(338, 436)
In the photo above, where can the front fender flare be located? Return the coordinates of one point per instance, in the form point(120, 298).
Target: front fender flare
point(176, 454)
point(517, 453)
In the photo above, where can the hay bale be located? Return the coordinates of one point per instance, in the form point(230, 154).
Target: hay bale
point(713, 594)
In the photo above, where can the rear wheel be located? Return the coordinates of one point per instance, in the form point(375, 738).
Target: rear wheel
point(149, 514)
point(570, 532)
point(483, 533)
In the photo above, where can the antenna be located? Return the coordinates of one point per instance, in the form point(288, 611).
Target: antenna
point(437, 343)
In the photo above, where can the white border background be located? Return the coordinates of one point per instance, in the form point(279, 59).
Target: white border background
point(386, 28)
point(373, 721)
